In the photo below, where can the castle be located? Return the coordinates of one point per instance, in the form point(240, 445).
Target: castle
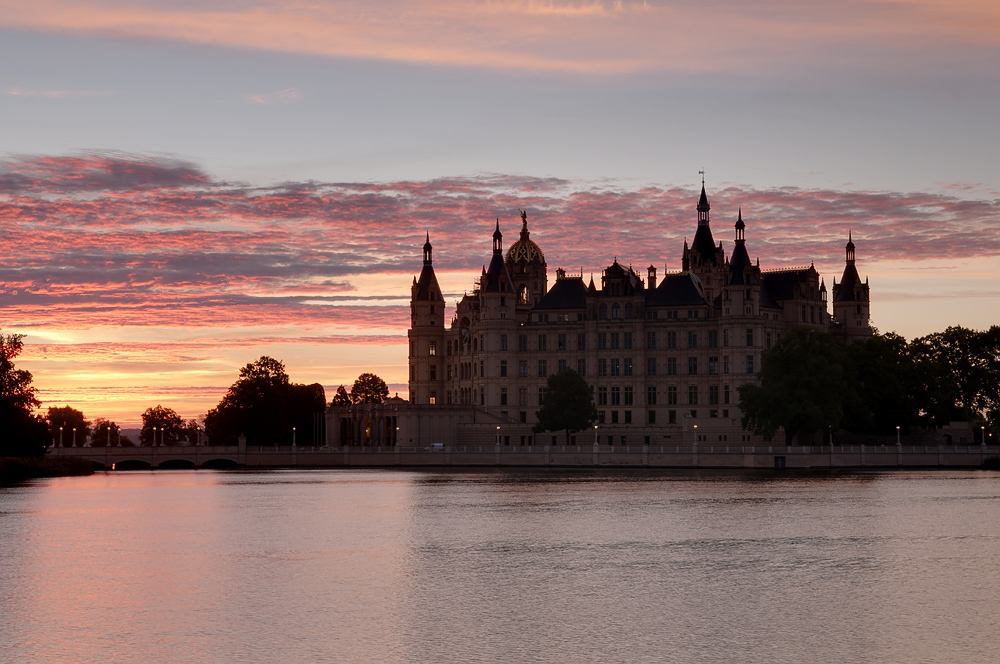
point(665, 356)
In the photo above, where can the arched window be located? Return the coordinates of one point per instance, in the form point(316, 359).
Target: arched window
point(628, 311)
point(616, 311)
point(603, 312)
point(522, 295)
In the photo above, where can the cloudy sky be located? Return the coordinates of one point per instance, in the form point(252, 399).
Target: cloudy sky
point(186, 186)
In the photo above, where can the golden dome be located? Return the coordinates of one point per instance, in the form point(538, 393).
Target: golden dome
point(524, 249)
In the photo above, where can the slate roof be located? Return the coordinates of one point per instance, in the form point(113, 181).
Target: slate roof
point(676, 290)
point(497, 273)
point(424, 283)
point(850, 280)
point(568, 293)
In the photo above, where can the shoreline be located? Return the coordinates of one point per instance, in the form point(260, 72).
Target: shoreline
point(15, 470)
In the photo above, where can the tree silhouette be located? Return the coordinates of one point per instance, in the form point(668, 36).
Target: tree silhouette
point(161, 426)
point(341, 398)
point(62, 423)
point(568, 404)
point(369, 388)
point(22, 433)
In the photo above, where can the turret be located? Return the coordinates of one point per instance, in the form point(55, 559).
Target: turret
point(851, 300)
point(527, 269)
point(426, 333)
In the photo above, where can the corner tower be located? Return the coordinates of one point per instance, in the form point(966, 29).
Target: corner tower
point(704, 258)
point(851, 301)
point(426, 334)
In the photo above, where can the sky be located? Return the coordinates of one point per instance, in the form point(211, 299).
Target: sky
point(186, 186)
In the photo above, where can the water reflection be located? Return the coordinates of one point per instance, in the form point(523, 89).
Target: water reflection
point(526, 567)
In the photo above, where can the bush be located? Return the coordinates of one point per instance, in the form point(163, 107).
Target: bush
point(18, 469)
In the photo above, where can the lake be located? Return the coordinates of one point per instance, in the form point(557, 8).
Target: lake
point(389, 566)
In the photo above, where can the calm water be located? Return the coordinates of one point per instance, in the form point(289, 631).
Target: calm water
point(355, 566)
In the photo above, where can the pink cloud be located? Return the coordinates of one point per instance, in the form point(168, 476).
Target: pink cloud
point(146, 241)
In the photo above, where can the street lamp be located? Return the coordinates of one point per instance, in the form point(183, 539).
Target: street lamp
point(62, 439)
point(293, 436)
point(982, 436)
point(498, 435)
point(74, 436)
point(897, 435)
point(696, 433)
point(595, 434)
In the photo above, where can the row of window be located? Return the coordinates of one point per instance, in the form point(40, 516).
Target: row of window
point(605, 341)
point(612, 367)
point(606, 396)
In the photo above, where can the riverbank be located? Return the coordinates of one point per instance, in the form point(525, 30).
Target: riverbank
point(19, 469)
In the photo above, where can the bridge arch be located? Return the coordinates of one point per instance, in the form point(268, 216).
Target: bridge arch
point(176, 464)
point(220, 464)
point(133, 464)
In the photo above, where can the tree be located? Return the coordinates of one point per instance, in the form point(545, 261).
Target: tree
point(803, 386)
point(264, 406)
point(160, 426)
point(22, 433)
point(103, 432)
point(62, 424)
point(369, 388)
point(568, 404)
point(341, 398)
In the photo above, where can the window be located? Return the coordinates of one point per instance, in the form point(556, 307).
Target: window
point(581, 342)
point(616, 311)
point(628, 366)
point(503, 396)
point(651, 340)
point(602, 367)
point(650, 366)
point(693, 395)
point(434, 372)
point(767, 342)
point(541, 395)
point(602, 341)
point(602, 396)
point(433, 348)
point(522, 368)
point(503, 342)
point(651, 419)
point(581, 366)
point(671, 340)
point(627, 340)
point(600, 417)
point(482, 368)
point(629, 396)
point(503, 368)
point(749, 363)
point(692, 366)
point(543, 368)
point(713, 338)
point(523, 416)
point(692, 339)
point(725, 394)
point(543, 342)
point(616, 396)
point(433, 398)
point(651, 395)
point(628, 311)
point(450, 374)
point(725, 364)
point(672, 417)
point(448, 395)
point(628, 420)
point(614, 341)
point(692, 313)
point(616, 367)
point(614, 420)
point(725, 337)
point(671, 396)
point(713, 395)
point(671, 366)
point(561, 342)
point(561, 365)
point(522, 397)
point(448, 348)
point(749, 336)
point(482, 396)
point(602, 311)
point(522, 342)
point(713, 365)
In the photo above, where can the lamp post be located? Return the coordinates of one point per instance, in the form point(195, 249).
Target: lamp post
point(74, 436)
point(62, 439)
point(293, 437)
point(109, 435)
point(595, 434)
point(982, 435)
point(498, 435)
point(696, 433)
point(897, 436)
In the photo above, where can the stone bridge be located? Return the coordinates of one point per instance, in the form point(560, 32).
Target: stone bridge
point(142, 458)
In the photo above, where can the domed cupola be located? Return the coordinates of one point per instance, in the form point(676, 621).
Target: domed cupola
point(524, 249)
point(526, 265)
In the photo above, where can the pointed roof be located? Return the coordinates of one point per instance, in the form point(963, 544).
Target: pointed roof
point(566, 293)
point(524, 249)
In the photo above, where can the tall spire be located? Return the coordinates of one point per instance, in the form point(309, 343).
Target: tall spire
point(740, 226)
point(497, 239)
point(703, 206)
point(427, 250)
point(850, 249)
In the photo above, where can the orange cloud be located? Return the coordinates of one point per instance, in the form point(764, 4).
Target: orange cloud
point(585, 37)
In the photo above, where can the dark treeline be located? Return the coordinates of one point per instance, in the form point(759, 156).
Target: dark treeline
point(809, 383)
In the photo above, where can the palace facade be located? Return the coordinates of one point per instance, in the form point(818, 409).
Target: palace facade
point(665, 355)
